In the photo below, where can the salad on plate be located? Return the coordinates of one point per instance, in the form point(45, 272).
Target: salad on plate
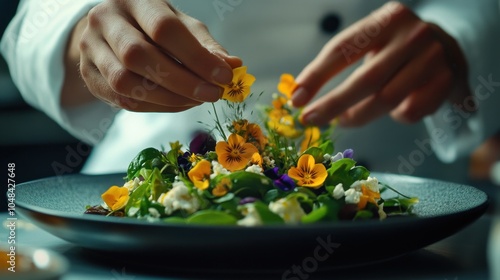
point(277, 171)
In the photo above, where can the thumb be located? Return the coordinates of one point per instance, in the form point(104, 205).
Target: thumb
point(201, 32)
point(219, 51)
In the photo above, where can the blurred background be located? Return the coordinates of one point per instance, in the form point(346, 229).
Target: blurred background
point(29, 138)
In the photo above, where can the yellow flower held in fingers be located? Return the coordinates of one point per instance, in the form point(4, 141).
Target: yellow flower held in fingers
point(239, 88)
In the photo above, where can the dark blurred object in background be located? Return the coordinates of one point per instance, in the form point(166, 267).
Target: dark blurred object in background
point(34, 143)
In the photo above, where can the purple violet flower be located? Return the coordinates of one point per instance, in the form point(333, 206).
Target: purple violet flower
point(348, 153)
point(272, 173)
point(247, 199)
point(202, 143)
point(184, 162)
point(285, 183)
point(282, 182)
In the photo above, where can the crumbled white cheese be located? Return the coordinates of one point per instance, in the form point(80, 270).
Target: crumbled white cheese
point(154, 212)
point(217, 169)
point(254, 169)
point(338, 192)
point(252, 217)
point(371, 183)
point(352, 196)
point(179, 198)
point(268, 161)
point(289, 209)
point(381, 213)
point(133, 184)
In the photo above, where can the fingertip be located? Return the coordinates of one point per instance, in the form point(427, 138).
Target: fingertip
point(300, 97)
point(233, 61)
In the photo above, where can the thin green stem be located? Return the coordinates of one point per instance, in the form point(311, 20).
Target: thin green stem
point(221, 130)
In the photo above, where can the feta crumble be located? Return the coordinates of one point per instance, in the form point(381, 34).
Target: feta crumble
point(252, 217)
point(133, 184)
point(289, 209)
point(352, 196)
point(254, 169)
point(179, 198)
point(371, 183)
point(338, 192)
point(217, 169)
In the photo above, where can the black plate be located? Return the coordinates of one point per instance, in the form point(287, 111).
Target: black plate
point(57, 204)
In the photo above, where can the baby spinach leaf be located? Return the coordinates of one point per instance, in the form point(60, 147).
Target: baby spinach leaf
point(339, 173)
point(244, 184)
point(327, 147)
point(316, 152)
point(266, 215)
point(315, 215)
point(174, 220)
point(211, 217)
point(147, 158)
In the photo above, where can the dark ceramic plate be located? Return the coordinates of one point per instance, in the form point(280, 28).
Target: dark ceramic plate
point(57, 205)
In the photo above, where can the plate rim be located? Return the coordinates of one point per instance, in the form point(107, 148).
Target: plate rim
point(480, 208)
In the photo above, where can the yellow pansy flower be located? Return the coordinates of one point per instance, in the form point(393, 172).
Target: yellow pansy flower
point(239, 88)
point(235, 153)
point(222, 188)
point(367, 195)
point(308, 173)
point(116, 197)
point(282, 122)
point(287, 85)
point(200, 174)
point(311, 137)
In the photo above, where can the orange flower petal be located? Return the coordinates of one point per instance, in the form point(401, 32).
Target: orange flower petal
point(308, 173)
point(287, 85)
point(235, 153)
point(116, 197)
point(239, 89)
point(311, 137)
point(200, 174)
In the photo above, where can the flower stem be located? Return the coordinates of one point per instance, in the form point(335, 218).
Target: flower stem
point(217, 121)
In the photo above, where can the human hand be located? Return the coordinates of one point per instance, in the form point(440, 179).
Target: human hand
point(411, 67)
point(146, 56)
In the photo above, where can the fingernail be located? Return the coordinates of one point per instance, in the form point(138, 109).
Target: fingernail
point(300, 97)
point(309, 118)
point(222, 75)
point(208, 93)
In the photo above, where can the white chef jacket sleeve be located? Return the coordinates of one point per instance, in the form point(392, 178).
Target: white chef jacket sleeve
point(474, 25)
point(33, 45)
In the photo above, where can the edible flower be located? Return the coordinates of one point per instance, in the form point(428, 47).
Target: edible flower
point(287, 85)
point(311, 136)
point(281, 121)
point(367, 195)
point(368, 191)
point(235, 153)
point(308, 173)
point(202, 143)
point(239, 88)
point(222, 187)
point(283, 181)
point(116, 197)
point(200, 174)
point(251, 132)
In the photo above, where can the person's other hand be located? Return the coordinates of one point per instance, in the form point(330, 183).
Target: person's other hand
point(146, 56)
point(411, 67)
